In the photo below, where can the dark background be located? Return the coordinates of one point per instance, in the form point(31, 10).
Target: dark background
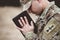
point(10, 3)
point(17, 2)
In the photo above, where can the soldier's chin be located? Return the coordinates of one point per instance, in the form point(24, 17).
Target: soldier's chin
point(37, 13)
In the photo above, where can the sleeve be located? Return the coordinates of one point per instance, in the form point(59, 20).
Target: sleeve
point(30, 36)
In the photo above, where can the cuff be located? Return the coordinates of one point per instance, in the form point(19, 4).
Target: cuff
point(30, 35)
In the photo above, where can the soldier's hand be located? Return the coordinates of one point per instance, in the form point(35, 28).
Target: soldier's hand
point(26, 27)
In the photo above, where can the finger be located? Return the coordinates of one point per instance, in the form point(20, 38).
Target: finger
point(32, 23)
point(26, 19)
point(22, 20)
point(39, 0)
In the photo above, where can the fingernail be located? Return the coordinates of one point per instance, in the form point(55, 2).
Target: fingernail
point(24, 16)
point(20, 17)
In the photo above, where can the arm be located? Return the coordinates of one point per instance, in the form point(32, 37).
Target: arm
point(27, 29)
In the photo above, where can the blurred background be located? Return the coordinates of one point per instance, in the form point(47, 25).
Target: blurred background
point(8, 10)
point(17, 3)
point(10, 3)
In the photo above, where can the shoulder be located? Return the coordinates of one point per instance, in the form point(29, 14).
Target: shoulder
point(56, 9)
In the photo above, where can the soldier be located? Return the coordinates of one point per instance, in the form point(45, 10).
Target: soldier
point(47, 20)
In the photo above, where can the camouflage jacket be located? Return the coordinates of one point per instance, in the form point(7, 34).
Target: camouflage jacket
point(48, 24)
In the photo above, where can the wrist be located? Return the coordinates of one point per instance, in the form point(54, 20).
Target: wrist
point(27, 32)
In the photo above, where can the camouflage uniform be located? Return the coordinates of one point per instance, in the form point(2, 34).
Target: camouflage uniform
point(48, 24)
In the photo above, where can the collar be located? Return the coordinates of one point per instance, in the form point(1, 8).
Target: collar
point(46, 9)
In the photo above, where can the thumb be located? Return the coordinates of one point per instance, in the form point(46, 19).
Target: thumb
point(20, 29)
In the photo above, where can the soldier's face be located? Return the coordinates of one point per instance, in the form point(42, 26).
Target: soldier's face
point(37, 6)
